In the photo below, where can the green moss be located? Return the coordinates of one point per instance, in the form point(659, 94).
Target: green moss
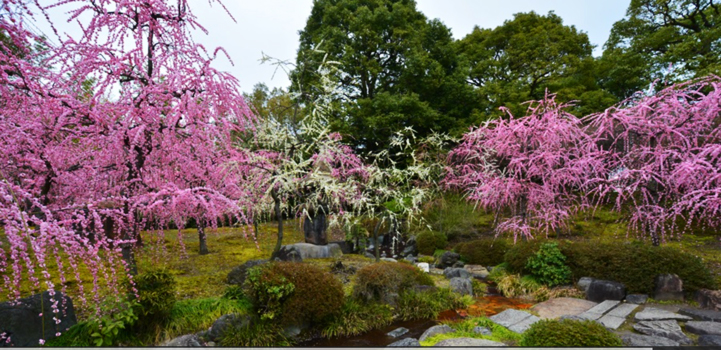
point(464, 329)
point(430, 241)
point(485, 252)
point(569, 333)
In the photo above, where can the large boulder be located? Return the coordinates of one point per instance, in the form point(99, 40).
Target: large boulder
point(451, 272)
point(226, 322)
point(184, 341)
point(312, 251)
point(439, 329)
point(462, 286)
point(314, 228)
point(600, 290)
point(21, 320)
point(468, 342)
point(448, 259)
point(239, 273)
point(709, 299)
point(668, 287)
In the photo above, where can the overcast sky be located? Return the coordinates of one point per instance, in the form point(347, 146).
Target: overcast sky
point(272, 26)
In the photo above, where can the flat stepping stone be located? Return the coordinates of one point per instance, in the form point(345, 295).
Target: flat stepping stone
point(617, 316)
point(709, 340)
point(636, 298)
point(468, 342)
point(655, 314)
point(514, 320)
point(397, 332)
point(666, 328)
point(703, 327)
point(559, 307)
point(631, 339)
point(439, 329)
point(597, 311)
point(703, 315)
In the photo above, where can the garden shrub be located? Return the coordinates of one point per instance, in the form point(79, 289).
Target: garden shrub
point(430, 241)
point(156, 292)
point(512, 286)
point(255, 334)
point(485, 252)
point(377, 281)
point(569, 333)
point(357, 318)
point(634, 265)
point(414, 304)
point(548, 266)
point(498, 273)
point(297, 292)
point(194, 315)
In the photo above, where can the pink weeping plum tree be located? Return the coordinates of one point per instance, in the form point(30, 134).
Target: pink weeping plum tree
point(528, 170)
point(663, 158)
point(123, 128)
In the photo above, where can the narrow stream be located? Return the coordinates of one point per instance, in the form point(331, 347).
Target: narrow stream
point(488, 305)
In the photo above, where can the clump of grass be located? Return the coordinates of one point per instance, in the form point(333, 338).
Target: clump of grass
point(414, 305)
point(194, 315)
point(464, 329)
point(256, 334)
point(357, 318)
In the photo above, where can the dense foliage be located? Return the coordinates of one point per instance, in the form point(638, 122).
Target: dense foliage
point(485, 251)
point(430, 241)
point(569, 333)
point(382, 281)
point(548, 266)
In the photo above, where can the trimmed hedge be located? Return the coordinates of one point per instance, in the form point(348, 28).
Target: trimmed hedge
point(634, 265)
point(429, 241)
point(377, 281)
point(569, 333)
point(485, 252)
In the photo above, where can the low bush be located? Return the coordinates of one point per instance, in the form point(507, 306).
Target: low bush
point(194, 315)
point(512, 286)
point(413, 305)
point(464, 329)
point(634, 265)
point(548, 265)
point(294, 293)
point(255, 334)
point(479, 288)
point(498, 273)
point(108, 329)
point(376, 282)
point(569, 333)
point(156, 292)
point(430, 241)
point(357, 318)
point(485, 252)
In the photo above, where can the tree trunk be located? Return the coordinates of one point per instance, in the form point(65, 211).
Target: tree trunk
point(314, 228)
point(279, 217)
point(201, 238)
point(377, 244)
point(127, 252)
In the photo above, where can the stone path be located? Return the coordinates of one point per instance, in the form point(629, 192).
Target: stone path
point(559, 307)
point(515, 320)
point(610, 313)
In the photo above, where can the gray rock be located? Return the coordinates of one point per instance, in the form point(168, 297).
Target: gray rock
point(439, 329)
point(226, 322)
point(411, 259)
point(459, 264)
point(709, 299)
point(188, 340)
point(238, 274)
point(636, 298)
point(288, 253)
point(425, 267)
point(448, 259)
point(410, 250)
point(524, 325)
point(515, 320)
point(468, 342)
point(583, 283)
point(369, 255)
point(600, 290)
point(451, 272)
point(668, 287)
point(292, 331)
point(312, 251)
point(482, 330)
point(667, 329)
point(655, 314)
point(210, 344)
point(631, 339)
point(709, 340)
point(611, 322)
point(21, 321)
point(407, 342)
point(597, 311)
point(397, 332)
point(703, 327)
point(389, 259)
point(477, 271)
point(461, 286)
point(704, 315)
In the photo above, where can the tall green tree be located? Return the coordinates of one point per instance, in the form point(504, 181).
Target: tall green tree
point(527, 55)
point(277, 104)
point(656, 34)
point(399, 70)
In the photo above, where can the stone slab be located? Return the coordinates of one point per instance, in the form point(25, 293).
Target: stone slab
point(703, 315)
point(405, 343)
point(597, 311)
point(636, 298)
point(559, 307)
point(468, 342)
point(655, 314)
point(666, 328)
point(622, 310)
point(509, 317)
point(703, 327)
point(523, 326)
point(646, 340)
point(709, 340)
point(397, 332)
point(611, 322)
point(439, 329)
